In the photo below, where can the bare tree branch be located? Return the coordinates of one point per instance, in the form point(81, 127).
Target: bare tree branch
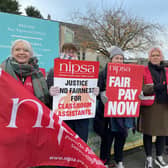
point(116, 27)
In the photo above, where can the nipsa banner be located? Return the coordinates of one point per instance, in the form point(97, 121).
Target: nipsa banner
point(32, 135)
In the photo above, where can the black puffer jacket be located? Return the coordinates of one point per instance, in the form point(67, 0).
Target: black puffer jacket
point(100, 123)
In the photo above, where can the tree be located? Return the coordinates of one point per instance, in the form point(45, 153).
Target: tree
point(33, 12)
point(116, 27)
point(10, 6)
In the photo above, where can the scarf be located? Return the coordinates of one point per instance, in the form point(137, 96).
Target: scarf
point(159, 79)
point(31, 69)
point(66, 56)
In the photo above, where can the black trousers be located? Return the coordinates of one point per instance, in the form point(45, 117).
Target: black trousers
point(106, 142)
point(166, 140)
point(159, 144)
point(81, 127)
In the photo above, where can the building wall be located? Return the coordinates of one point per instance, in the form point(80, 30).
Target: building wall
point(84, 53)
point(91, 55)
point(66, 35)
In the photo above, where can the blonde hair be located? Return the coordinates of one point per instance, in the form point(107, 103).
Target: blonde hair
point(26, 43)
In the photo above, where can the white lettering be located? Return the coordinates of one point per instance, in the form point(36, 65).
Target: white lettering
point(51, 123)
point(133, 91)
point(76, 68)
point(116, 81)
point(121, 93)
point(127, 82)
point(127, 94)
point(131, 108)
point(15, 107)
point(122, 108)
point(60, 132)
point(111, 80)
point(112, 107)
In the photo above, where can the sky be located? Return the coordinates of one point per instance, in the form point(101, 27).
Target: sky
point(152, 11)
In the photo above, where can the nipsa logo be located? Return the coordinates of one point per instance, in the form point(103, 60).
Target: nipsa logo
point(76, 68)
point(38, 123)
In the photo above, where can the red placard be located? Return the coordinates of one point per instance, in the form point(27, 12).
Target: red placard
point(124, 84)
point(75, 68)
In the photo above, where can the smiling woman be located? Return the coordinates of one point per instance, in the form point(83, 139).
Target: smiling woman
point(24, 68)
point(22, 51)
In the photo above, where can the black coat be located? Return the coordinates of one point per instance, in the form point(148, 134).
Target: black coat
point(50, 82)
point(100, 123)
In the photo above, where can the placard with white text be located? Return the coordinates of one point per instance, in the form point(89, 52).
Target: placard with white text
point(124, 84)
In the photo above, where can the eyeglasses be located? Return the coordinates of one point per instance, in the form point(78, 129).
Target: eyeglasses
point(157, 55)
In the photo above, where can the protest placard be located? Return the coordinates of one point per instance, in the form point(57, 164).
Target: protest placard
point(124, 84)
point(76, 81)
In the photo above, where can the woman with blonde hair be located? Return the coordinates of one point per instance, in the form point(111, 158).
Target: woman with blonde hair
point(22, 65)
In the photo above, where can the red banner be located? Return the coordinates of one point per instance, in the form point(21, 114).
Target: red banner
point(32, 135)
point(124, 84)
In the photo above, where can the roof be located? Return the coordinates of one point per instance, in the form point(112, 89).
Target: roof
point(83, 36)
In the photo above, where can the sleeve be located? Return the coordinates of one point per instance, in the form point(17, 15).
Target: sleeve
point(50, 82)
point(101, 84)
point(147, 89)
point(102, 81)
point(50, 78)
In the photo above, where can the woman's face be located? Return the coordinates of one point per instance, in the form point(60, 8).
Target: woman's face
point(21, 53)
point(70, 52)
point(155, 58)
point(117, 59)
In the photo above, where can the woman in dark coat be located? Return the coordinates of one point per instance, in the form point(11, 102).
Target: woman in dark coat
point(153, 120)
point(111, 129)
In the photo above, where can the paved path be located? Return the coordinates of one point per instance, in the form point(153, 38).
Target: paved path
point(135, 158)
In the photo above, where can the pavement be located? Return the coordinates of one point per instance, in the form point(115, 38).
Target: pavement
point(135, 158)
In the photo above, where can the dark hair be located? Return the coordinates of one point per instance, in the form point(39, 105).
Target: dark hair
point(68, 46)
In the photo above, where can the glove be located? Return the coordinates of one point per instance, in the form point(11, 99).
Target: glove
point(54, 90)
point(96, 91)
point(103, 97)
point(141, 96)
